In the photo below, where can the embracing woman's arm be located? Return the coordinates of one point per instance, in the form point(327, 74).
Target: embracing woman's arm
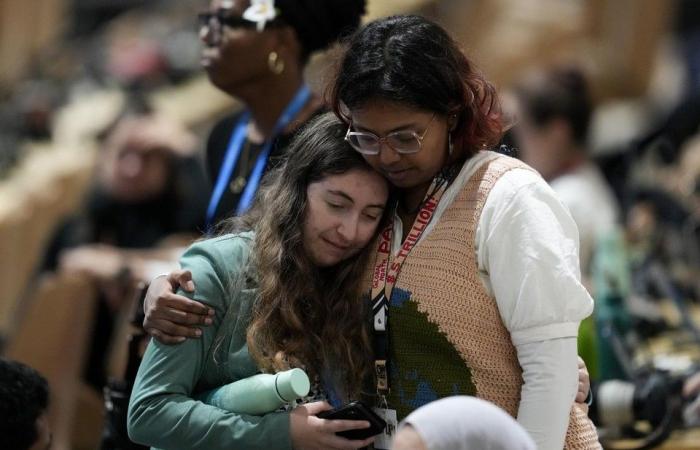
point(162, 412)
point(169, 317)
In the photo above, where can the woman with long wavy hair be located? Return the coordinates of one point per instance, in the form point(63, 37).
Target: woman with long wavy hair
point(285, 285)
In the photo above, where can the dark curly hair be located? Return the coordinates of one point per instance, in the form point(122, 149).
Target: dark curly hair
point(411, 60)
point(319, 23)
point(24, 396)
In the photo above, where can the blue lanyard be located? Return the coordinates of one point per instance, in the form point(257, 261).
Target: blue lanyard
point(233, 152)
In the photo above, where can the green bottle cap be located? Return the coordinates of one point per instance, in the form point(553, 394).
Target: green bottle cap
point(292, 384)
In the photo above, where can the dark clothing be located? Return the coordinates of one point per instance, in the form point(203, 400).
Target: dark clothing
point(106, 220)
point(217, 145)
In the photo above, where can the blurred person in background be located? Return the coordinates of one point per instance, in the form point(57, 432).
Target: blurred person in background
point(256, 52)
point(149, 192)
point(24, 399)
point(553, 110)
point(149, 186)
point(687, 29)
point(461, 423)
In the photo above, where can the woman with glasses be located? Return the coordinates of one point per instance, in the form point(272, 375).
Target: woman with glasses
point(286, 290)
point(256, 52)
point(475, 288)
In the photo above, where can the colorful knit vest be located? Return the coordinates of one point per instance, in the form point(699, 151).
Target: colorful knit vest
point(446, 334)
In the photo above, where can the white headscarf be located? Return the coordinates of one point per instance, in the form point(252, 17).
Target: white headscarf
point(467, 423)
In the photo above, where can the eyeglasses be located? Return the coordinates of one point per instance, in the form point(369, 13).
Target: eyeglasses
point(402, 141)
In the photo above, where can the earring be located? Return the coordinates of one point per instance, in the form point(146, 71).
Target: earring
point(275, 63)
point(449, 144)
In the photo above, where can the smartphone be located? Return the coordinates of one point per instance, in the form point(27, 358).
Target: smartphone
point(356, 411)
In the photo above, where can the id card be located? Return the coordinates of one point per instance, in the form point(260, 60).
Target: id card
point(383, 440)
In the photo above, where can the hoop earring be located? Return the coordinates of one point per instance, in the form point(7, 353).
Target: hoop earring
point(275, 63)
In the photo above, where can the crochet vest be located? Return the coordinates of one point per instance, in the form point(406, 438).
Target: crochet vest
point(446, 334)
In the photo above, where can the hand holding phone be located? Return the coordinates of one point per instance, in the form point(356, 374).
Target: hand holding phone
point(308, 431)
point(356, 411)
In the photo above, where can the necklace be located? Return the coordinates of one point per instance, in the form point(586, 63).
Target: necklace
point(233, 151)
point(238, 183)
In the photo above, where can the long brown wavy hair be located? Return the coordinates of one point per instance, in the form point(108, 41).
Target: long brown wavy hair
point(305, 315)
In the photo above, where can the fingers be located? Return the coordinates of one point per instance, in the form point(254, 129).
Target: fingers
point(164, 338)
point(181, 278)
point(157, 288)
point(336, 426)
point(180, 310)
point(337, 442)
point(583, 377)
point(364, 443)
point(167, 327)
point(184, 304)
point(582, 393)
point(584, 385)
point(316, 407)
point(583, 381)
point(182, 318)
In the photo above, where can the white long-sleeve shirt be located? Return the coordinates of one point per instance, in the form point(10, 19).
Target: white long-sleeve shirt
point(527, 254)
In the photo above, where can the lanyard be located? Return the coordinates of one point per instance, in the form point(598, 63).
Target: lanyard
point(233, 152)
point(386, 272)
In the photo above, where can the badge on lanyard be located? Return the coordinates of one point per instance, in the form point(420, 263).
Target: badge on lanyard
point(384, 278)
point(384, 440)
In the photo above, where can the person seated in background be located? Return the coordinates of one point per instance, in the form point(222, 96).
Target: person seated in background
point(461, 423)
point(24, 399)
point(149, 185)
point(553, 110)
point(146, 204)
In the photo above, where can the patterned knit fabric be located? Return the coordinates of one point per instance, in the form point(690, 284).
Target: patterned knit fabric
point(446, 333)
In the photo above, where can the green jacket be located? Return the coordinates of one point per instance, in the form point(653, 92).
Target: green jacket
point(162, 411)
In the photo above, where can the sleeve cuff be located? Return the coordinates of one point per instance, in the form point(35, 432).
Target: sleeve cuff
point(544, 333)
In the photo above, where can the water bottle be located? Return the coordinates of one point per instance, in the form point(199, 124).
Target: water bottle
point(612, 284)
point(259, 394)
